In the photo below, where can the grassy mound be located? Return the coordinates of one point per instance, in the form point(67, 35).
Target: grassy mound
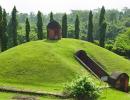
point(49, 64)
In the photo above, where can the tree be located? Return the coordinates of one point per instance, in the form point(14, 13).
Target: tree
point(51, 17)
point(39, 26)
point(102, 27)
point(9, 34)
point(102, 34)
point(4, 30)
point(14, 25)
point(77, 29)
point(102, 16)
point(0, 23)
point(90, 27)
point(27, 28)
point(64, 26)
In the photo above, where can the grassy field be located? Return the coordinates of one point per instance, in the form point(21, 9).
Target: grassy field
point(10, 96)
point(47, 65)
point(111, 94)
point(107, 94)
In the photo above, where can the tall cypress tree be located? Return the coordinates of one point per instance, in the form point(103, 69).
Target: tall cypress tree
point(0, 13)
point(102, 16)
point(14, 25)
point(64, 26)
point(39, 26)
point(102, 27)
point(77, 29)
point(4, 32)
point(10, 34)
point(51, 16)
point(102, 34)
point(0, 25)
point(27, 28)
point(90, 27)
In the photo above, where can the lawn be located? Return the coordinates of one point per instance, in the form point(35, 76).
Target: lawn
point(110, 94)
point(9, 96)
point(107, 94)
point(47, 65)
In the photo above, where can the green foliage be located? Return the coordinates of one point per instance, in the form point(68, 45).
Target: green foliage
point(116, 22)
point(0, 13)
point(0, 24)
point(77, 29)
point(22, 17)
point(4, 23)
point(96, 42)
point(39, 26)
point(71, 31)
point(1, 20)
point(102, 16)
point(51, 16)
point(113, 30)
point(115, 19)
point(102, 34)
point(122, 44)
point(102, 27)
point(3, 27)
point(83, 88)
point(64, 26)
point(90, 27)
point(4, 38)
point(13, 26)
point(109, 46)
point(9, 33)
point(27, 28)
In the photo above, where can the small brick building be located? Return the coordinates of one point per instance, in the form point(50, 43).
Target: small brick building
point(54, 31)
point(120, 81)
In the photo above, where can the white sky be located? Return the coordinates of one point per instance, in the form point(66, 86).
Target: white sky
point(46, 6)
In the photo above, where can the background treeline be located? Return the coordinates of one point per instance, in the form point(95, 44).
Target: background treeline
point(117, 22)
point(99, 26)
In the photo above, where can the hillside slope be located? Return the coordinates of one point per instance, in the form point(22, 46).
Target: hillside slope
point(52, 63)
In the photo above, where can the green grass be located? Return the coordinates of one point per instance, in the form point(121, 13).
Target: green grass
point(107, 94)
point(5, 96)
point(9, 96)
point(47, 65)
point(111, 94)
point(39, 64)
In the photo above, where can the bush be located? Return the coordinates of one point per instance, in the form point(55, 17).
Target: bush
point(109, 46)
point(119, 51)
point(82, 88)
point(96, 42)
point(122, 44)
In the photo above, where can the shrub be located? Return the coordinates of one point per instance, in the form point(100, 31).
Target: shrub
point(119, 51)
point(82, 88)
point(109, 46)
point(96, 42)
point(122, 44)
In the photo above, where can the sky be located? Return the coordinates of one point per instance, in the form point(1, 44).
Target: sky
point(46, 6)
